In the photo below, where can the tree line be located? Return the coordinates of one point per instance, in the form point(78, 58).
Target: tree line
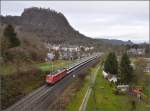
point(123, 69)
point(8, 40)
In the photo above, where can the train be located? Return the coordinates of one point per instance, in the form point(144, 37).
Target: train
point(54, 77)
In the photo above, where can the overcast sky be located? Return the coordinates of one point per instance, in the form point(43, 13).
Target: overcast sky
point(124, 20)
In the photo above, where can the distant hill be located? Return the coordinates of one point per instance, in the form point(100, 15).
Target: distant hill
point(51, 26)
point(115, 42)
point(48, 25)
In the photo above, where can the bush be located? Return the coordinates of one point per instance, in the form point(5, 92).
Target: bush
point(14, 85)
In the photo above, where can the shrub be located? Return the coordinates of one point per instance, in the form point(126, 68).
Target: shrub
point(14, 85)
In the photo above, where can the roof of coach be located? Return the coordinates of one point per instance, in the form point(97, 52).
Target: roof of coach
point(55, 72)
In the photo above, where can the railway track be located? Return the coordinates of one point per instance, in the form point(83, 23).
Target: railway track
point(40, 99)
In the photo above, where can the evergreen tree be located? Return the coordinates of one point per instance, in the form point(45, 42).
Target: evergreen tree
point(126, 70)
point(139, 76)
point(10, 35)
point(8, 40)
point(111, 64)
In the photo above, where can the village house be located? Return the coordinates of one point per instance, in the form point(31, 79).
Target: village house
point(113, 79)
point(105, 75)
point(110, 77)
point(147, 68)
point(50, 56)
point(138, 51)
point(122, 88)
point(67, 51)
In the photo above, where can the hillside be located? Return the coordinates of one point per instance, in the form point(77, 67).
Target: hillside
point(48, 25)
point(115, 42)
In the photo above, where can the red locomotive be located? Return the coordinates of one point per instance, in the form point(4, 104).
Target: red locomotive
point(52, 78)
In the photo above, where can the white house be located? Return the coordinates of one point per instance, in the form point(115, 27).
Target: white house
point(147, 68)
point(110, 77)
point(56, 48)
point(105, 75)
point(123, 88)
point(113, 79)
point(50, 56)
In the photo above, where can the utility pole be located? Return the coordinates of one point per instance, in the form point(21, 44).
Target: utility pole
point(149, 41)
point(51, 62)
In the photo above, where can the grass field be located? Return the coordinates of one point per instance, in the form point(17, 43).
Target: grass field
point(7, 69)
point(77, 99)
point(28, 80)
point(103, 99)
point(51, 66)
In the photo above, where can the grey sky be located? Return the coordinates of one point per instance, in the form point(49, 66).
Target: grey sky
point(124, 20)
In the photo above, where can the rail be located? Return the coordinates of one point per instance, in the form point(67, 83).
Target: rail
point(33, 99)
